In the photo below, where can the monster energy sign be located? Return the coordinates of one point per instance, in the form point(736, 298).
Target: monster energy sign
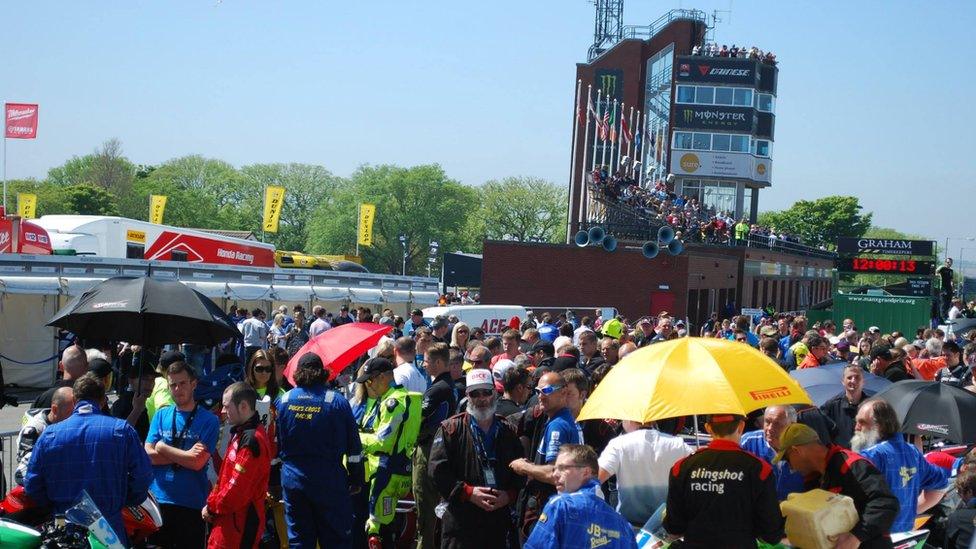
point(611, 83)
point(701, 117)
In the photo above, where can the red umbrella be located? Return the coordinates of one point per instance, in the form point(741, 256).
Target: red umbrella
point(339, 346)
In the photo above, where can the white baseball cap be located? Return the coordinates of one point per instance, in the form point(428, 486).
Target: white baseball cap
point(479, 378)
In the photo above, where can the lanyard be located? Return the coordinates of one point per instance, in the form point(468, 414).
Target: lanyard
point(178, 439)
point(370, 415)
point(479, 442)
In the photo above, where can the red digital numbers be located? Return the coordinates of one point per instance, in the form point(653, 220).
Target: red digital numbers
point(860, 264)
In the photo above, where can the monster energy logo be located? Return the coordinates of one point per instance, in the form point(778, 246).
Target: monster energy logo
point(608, 84)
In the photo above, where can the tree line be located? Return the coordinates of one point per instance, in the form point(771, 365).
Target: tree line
point(320, 212)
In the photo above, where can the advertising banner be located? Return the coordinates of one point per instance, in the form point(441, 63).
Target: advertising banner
point(26, 205)
point(715, 117)
point(367, 212)
point(720, 164)
point(274, 199)
point(852, 246)
point(723, 70)
point(20, 120)
point(157, 206)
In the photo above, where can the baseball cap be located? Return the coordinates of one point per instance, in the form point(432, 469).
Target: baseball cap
point(796, 434)
point(543, 346)
point(843, 345)
point(612, 328)
point(874, 330)
point(724, 418)
point(417, 312)
point(769, 331)
point(880, 351)
point(373, 368)
point(100, 367)
point(170, 357)
point(564, 362)
point(439, 322)
point(478, 378)
point(310, 361)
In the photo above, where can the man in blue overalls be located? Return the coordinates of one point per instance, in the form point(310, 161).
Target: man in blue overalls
point(316, 431)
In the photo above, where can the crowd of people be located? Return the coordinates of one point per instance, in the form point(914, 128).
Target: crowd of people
point(481, 433)
point(691, 220)
point(713, 50)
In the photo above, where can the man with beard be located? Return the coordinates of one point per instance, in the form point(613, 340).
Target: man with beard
point(842, 471)
point(843, 408)
point(877, 437)
point(467, 464)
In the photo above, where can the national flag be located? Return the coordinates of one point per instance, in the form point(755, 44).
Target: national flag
point(637, 141)
point(605, 125)
point(625, 131)
point(613, 125)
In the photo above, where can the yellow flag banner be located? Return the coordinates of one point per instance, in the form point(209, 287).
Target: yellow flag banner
point(274, 198)
point(157, 206)
point(27, 205)
point(366, 214)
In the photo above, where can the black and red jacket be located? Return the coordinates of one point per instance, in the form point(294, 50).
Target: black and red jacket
point(854, 475)
point(723, 497)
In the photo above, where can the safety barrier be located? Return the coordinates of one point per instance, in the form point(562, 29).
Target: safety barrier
point(8, 445)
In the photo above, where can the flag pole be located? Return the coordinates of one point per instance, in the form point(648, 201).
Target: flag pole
point(596, 131)
point(603, 154)
point(572, 162)
point(630, 128)
point(586, 143)
point(5, 159)
point(359, 225)
point(644, 136)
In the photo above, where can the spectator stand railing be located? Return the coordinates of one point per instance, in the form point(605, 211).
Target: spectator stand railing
point(9, 456)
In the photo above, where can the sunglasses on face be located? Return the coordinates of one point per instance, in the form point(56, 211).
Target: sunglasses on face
point(263, 369)
point(481, 393)
point(549, 390)
point(462, 331)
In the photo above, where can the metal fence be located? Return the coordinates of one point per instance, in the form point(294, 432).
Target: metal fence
point(8, 444)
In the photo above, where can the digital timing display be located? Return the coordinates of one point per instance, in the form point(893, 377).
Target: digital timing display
point(882, 266)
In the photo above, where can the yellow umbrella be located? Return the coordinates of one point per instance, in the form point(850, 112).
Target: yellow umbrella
point(691, 376)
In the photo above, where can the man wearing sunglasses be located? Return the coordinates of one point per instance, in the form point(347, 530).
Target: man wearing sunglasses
point(561, 428)
point(468, 467)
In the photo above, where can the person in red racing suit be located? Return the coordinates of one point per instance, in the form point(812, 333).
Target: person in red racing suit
point(235, 506)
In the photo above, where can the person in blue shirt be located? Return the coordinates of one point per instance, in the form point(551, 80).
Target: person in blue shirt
point(93, 452)
point(578, 518)
point(561, 428)
point(877, 436)
point(765, 443)
point(316, 432)
point(416, 321)
point(180, 442)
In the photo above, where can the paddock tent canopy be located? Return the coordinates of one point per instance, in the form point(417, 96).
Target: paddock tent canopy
point(28, 348)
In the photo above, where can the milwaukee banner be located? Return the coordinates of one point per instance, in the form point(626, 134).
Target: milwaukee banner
point(20, 121)
point(157, 206)
point(367, 212)
point(854, 246)
point(274, 199)
point(724, 70)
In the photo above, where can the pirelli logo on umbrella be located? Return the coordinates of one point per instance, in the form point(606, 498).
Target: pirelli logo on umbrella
point(770, 394)
point(110, 305)
point(938, 429)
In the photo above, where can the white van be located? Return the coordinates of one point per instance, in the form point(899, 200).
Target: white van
point(493, 319)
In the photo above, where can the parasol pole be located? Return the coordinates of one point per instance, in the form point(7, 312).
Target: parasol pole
point(697, 440)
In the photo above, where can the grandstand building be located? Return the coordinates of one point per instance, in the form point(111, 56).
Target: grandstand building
point(704, 133)
point(707, 121)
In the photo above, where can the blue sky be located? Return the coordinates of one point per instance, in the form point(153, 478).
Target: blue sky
point(865, 107)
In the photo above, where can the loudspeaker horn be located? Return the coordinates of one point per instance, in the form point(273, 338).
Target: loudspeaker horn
point(650, 249)
point(675, 247)
point(609, 243)
point(665, 235)
point(596, 235)
point(581, 239)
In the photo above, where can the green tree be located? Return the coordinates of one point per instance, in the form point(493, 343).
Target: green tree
point(201, 193)
point(821, 221)
point(87, 199)
point(306, 188)
point(526, 209)
point(420, 202)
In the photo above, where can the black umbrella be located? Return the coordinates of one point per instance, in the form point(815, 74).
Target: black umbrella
point(933, 408)
point(146, 311)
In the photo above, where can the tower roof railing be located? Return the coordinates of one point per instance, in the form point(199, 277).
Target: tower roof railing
point(645, 32)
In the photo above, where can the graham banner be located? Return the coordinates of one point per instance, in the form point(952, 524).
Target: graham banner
point(20, 121)
point(274, 199)
point(157, 205)
point(366, 214)
point(27, 205)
